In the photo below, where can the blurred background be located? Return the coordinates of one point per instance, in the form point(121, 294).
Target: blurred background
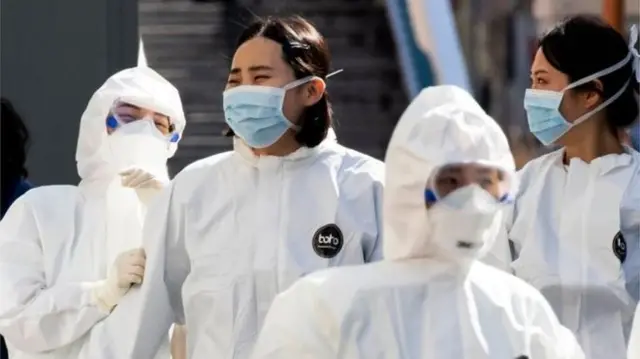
point(54, 54)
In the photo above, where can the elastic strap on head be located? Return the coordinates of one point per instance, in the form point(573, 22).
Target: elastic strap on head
point(306, 79)
point(334, 73)
point(606, 103)
point(601, 73)
point(633, 39)
point(298, 82)
point(633, 56)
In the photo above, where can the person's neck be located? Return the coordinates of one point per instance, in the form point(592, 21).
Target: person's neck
point(286, 145)
point(592, 143)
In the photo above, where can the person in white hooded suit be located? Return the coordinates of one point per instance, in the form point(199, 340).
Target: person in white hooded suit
point(575, 224)
point(237, 228)
point(448, 170)
point(634, 337)
point(68, 254)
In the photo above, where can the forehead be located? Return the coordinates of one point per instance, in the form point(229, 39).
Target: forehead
point(465, 168)
point(541, 64)
point(540, 61)
point(258, 52)
point(124, 107)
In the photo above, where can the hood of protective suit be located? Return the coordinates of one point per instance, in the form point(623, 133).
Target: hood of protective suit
point(442, 125)
point(140, 86)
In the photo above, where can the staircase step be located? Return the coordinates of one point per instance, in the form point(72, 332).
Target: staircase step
point(214, 117)
point(177, 7)
point(340, 93)
point(179, 18)
point(179, 29)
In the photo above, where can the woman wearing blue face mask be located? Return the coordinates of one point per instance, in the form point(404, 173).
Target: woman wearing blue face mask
point(238, 228)
point(575, 225)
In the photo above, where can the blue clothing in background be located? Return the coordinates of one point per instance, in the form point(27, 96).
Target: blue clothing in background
point(17, 189)
point(634, 133)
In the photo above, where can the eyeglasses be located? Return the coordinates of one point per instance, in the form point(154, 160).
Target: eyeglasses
point(448, 178)
point(123, 113)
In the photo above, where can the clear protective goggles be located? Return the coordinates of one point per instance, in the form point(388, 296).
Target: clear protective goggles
point(450, 177)
point(123, 113)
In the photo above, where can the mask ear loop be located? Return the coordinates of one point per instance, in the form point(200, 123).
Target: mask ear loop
point(633, 56)
point(601, 73)
point(303, 81)
point(608, 102)
point(334, 73)
point(298, 82)
point(306, 79)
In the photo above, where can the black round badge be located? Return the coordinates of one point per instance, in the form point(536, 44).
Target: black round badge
point(327, 241)
point(620, 247)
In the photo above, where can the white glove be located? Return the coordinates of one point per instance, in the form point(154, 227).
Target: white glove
point(139, 178)
point(146, 184)
point(127, 270)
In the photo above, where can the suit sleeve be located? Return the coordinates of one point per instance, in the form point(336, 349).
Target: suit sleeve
point(299, 325)
point(634, 338)
point(374, 252)
point(548, 338)
point(139, 326)
point(500, 253)
point(34, 316)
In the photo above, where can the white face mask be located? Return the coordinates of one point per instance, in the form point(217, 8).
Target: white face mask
point(138, 145)
point(466, 224)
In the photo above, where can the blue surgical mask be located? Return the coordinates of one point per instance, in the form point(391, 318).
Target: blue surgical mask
point(254, 112)
point(543, 107)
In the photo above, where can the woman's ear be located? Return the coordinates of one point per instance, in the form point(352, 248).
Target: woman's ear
point(314, 91)
point(594, 98)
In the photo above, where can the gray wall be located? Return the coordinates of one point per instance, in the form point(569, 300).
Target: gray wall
point(53, 56)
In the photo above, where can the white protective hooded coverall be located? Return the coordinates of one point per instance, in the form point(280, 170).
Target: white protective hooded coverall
point(235, 230)
point(576, 233)
point(417, 303)
point(58, 242)
point(634, 338)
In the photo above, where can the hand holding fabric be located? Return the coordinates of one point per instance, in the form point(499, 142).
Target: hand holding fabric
point(139, 178)
point(127, 270)
point(146, 184)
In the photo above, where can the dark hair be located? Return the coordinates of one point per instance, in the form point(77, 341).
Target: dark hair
point(15, 140)
point(582, 45)
point(307, 52)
